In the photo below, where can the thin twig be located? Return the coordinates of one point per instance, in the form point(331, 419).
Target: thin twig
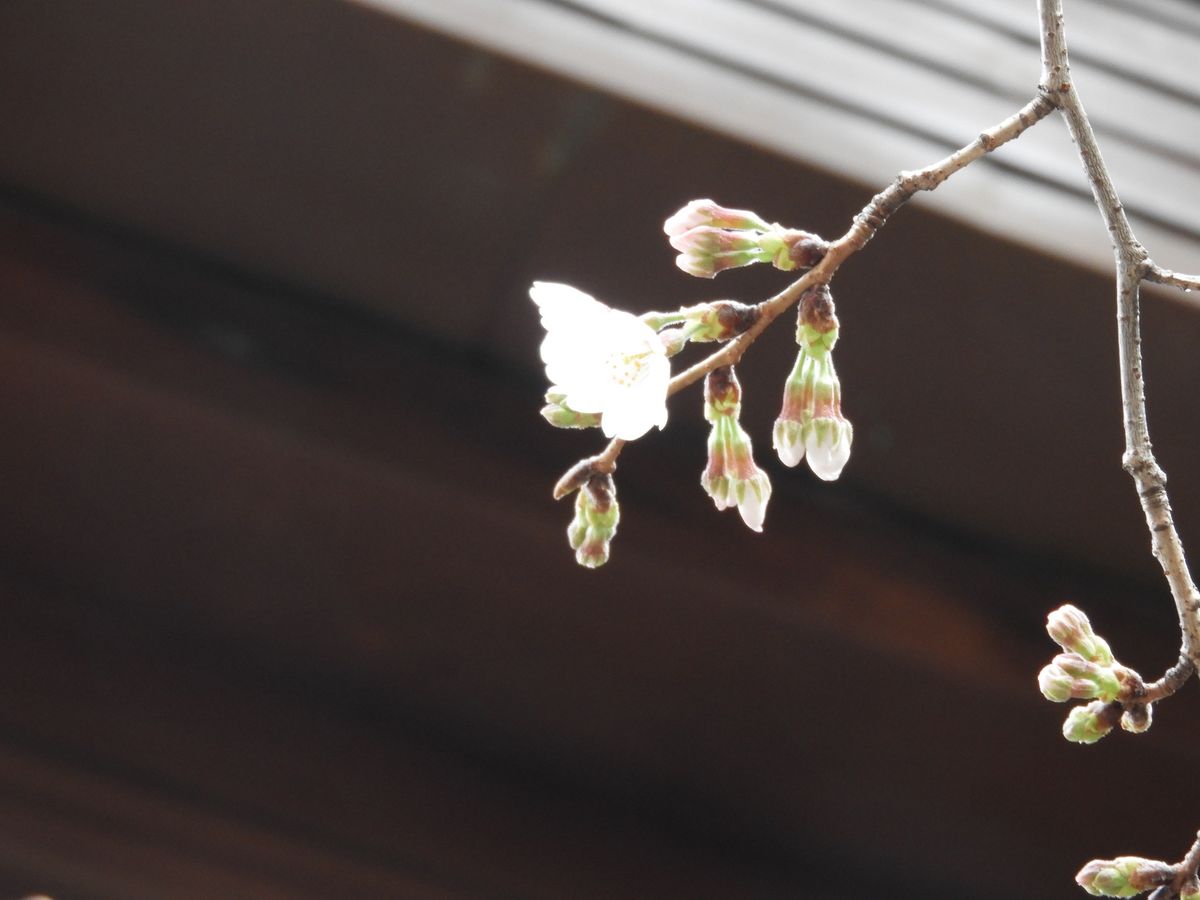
point(1159, 275)
point(866, 224)
point(1186, 869)
point(1132, 265)
point(1172, 680)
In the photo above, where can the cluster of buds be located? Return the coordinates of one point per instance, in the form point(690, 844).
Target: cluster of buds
point(1125, 876)
point(1087, 670)
point(595, 522)
point(731, 478)
point(611, 370)
point(711, 238)
point(811, 423)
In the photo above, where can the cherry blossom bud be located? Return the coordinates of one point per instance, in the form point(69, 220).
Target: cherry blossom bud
point(1071, 630)
point(706, 212)
point(1093, 681)
point(811, 423)
point(704, 251)
point(1087, 724)
point(595, 522)
point(1125, 876)
point(558, 414)
point(1056, 685)
point(731, 477)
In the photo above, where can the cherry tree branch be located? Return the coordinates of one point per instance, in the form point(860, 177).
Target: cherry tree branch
point(1159, 275)
point(866, 224)
point(1133, 265)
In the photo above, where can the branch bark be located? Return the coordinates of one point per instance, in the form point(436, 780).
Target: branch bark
point(1133, 265)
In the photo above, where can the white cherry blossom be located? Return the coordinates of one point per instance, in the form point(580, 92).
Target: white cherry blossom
point(603, 360)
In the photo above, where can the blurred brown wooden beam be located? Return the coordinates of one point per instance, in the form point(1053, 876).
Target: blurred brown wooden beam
point(325, 617)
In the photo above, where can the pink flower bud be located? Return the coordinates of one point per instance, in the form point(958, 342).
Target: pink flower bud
point(707, 212)
point(811, 423)
point(1071, 630)
point(704, 251)
point(731, 477)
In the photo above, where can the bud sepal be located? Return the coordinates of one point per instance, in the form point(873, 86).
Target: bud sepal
point(558, 414)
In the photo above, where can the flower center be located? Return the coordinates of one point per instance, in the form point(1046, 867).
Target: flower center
point(627, 369)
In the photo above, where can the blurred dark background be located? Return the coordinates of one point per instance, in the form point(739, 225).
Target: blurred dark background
point(288, 611)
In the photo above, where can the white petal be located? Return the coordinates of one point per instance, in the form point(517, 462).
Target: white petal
point(786, 440)
point(828, 459)
point(753, 505)
point(561, 302)
point(628, 420)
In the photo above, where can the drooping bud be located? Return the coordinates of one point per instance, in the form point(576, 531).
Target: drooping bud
point(595, 522)
point(811, 423)
point(1087, 724)
point(731, 477)
point(558, 414)
point(1125, 876)
point(1070, 629)
point(707, 212)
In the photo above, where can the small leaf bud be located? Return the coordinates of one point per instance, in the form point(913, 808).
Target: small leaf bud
point(1125, 876)
point(791, 249)
point(1137, 719)
point(720, 320)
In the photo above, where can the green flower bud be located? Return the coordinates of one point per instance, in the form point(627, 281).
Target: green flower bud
point(558, 414)
point(1095, 681)
point(1125, 876)
point(1087, 724)
point(1056, 685)
point(1071, 630)
point(595, 522)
